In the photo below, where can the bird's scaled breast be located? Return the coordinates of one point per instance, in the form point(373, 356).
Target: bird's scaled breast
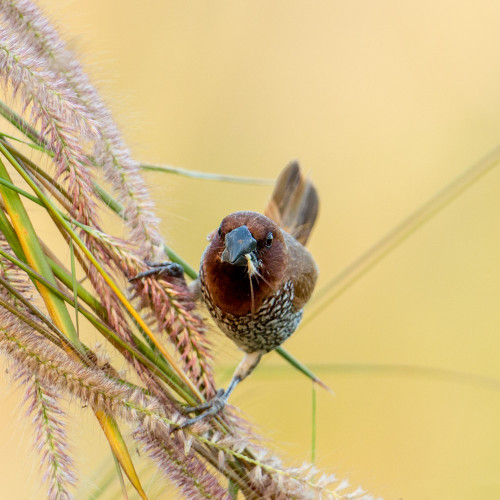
point(266, 328)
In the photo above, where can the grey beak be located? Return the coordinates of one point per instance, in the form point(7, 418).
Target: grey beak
point(239, 242)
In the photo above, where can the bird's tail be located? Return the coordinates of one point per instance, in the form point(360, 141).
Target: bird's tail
point(294, 203)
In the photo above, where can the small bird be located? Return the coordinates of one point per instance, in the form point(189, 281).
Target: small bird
point(256, 276)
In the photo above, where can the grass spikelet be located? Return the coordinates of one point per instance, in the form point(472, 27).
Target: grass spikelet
point(110, 151)
point(51, 108)
point(54, 368)
point(48, 419)
point(172, 307)
point(170, 304)
point(188, 472)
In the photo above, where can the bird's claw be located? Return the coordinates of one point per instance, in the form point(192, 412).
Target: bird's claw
point(219, 395)
point(211, 408)
point(160, 269)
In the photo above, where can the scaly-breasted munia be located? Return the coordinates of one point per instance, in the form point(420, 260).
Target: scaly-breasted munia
point(256, 276)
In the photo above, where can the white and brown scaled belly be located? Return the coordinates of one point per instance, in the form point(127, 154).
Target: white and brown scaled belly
point(263, 330)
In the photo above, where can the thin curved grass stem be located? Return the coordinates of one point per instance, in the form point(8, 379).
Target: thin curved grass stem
point(369, 259)
point(43, 176)
point(193, 174)
point(21, 124)
point(455, 376)
point(313, 424)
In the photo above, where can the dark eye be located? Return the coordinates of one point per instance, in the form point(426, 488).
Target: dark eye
point(220, 232)
point(269, 239)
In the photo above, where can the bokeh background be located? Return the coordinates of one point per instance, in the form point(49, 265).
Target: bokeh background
point(384, 103)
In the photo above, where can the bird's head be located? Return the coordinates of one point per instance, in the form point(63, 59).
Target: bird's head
point(247, 256)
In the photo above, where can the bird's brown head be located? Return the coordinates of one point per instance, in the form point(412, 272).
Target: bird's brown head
point(245, 262)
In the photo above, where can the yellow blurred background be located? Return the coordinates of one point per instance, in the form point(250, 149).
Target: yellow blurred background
point(384, 103)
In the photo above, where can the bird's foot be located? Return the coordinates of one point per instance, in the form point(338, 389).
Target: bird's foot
point(209, 409)
point(160, 269)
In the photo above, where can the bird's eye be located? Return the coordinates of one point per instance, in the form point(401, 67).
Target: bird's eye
point(220, 231)
point(269, 239)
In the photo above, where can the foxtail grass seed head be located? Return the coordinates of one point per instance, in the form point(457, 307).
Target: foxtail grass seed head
point(109, 150)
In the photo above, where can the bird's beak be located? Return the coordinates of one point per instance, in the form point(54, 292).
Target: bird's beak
point(239, 243)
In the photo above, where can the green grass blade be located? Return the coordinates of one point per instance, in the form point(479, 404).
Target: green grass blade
point(302, 368)
point(207, 176)
point(29, 144)
point(313, 425)
point(22, 192)
point(32, 249)
point(11, 236)
point(114, 205)
point(233, 489)
point(120, 450)
point(20, 123)
point(118, 472)
point(75, 284)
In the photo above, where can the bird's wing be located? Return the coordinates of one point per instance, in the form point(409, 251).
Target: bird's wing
point(294, 203)
point(303, 271)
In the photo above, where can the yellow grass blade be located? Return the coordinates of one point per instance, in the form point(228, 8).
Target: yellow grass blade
point(120, 450)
